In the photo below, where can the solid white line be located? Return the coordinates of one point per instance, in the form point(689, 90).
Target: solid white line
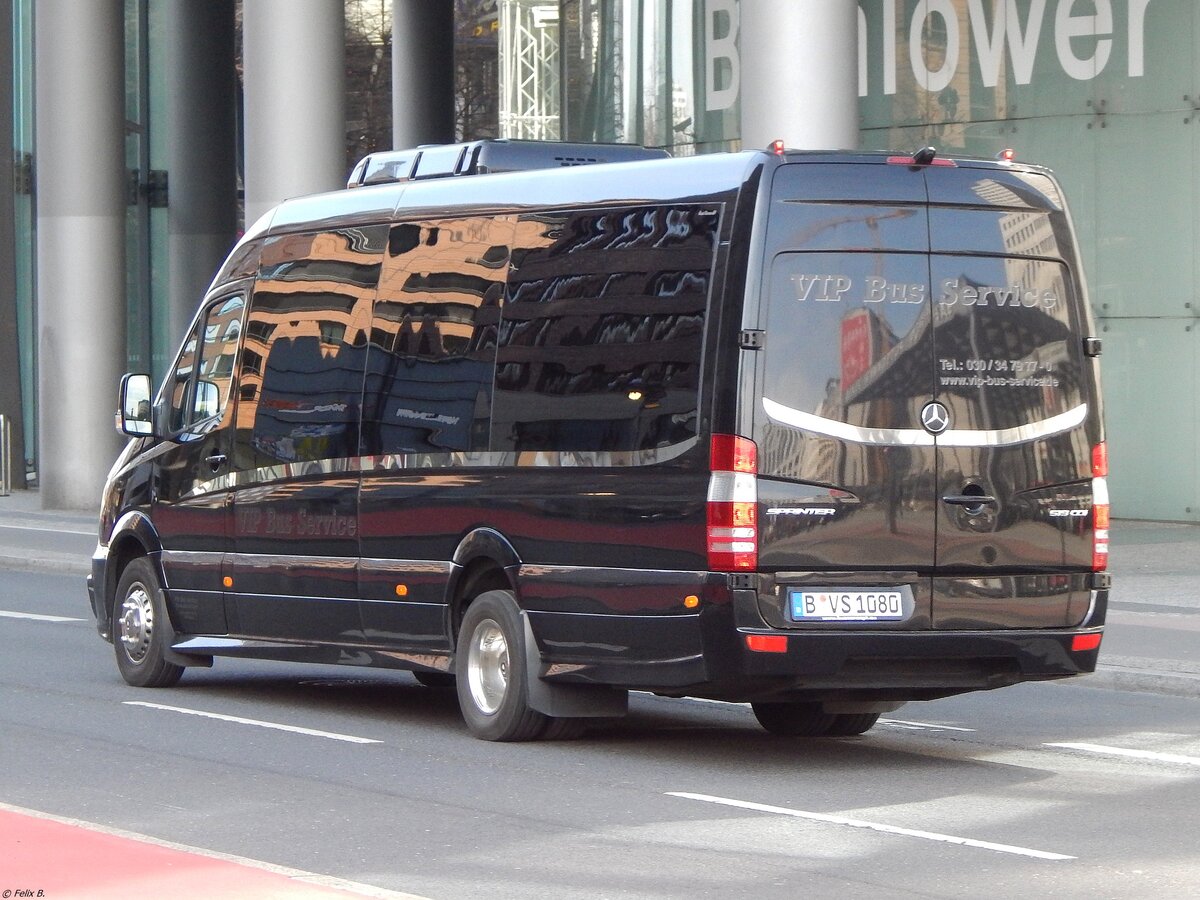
point(873, 826)
point(45, 528)
point(36, 617)
point(1133, 754)
point(295, 729)
point(326, 881)
point(925, 725)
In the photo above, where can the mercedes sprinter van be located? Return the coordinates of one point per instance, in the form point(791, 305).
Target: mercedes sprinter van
point(821, 432)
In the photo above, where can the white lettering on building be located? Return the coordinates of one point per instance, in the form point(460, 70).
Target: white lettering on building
point(1084, 33)
point(717, 48)
point(939, 80)
point(1067, 26)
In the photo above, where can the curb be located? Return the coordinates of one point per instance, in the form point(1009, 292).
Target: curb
point(1147, 676)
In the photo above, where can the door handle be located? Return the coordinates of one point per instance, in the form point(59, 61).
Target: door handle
point(969, 500)
point(216, 461)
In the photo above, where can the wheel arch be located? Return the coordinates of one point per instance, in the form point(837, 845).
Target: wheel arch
point(133, 536)
point(484, 560)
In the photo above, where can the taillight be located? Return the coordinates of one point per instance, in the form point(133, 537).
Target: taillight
point(733, 504)
point(1081, 643)
point(1100, 507)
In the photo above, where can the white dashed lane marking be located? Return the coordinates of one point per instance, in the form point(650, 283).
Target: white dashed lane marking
point(35, 617)
point(1131, 754)
point(276, 726)
point(872, 826)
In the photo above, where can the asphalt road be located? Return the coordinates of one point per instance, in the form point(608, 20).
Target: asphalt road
point(1058, 790)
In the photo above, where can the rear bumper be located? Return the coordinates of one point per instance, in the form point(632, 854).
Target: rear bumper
point(912, 666)
point(709, 655)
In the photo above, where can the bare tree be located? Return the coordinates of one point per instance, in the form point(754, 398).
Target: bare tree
point(368, 77)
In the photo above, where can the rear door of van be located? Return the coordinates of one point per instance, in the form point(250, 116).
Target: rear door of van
point(1015, 518)
point(847, 475)
point(926, 415)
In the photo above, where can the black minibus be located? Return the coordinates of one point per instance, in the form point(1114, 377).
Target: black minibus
point(820, 432)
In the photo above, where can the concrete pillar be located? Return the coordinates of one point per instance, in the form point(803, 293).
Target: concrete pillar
point(799, 73)
point(422, 73)
point(10, 360)
point(295, 100)
point(79, 59)
point(202, 213)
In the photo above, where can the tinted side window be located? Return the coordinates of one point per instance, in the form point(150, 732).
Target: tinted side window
point(600, 341)
point(200, 382)
point(302, 368)
point(433, 336)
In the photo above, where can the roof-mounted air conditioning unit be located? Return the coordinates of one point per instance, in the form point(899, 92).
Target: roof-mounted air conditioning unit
point(487, 157)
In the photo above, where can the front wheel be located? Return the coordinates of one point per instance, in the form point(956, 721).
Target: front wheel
point(139, 628)
point(490, 670)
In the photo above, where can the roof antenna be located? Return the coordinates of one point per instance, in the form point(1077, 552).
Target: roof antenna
point(924, 156)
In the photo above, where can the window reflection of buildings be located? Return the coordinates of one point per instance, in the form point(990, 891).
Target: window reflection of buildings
point(313, 290)
point(602, 353)
point(433, 335)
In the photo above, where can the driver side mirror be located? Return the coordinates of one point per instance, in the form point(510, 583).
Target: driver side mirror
point(135, 414)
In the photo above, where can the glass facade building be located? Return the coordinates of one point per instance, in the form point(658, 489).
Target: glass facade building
point(1105, 92)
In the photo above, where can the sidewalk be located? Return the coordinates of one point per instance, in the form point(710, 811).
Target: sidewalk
point(45, 540)
point(1152, 642)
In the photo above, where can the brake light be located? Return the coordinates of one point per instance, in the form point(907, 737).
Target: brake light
point(921, 161)
point(1100, 507)
point(767, 643)
point(732, 504)
point(1084, 642)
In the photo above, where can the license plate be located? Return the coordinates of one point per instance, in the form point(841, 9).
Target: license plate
point(847, 606)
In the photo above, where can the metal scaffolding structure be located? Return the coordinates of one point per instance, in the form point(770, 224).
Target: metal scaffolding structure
point(530, 70)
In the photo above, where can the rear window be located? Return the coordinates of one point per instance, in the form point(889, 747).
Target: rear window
point(848, 339)
point(1008, 352)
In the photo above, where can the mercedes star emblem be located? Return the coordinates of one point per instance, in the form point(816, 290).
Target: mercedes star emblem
point(935, 418)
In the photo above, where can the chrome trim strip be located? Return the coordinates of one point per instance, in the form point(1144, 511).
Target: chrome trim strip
point(289, 561)
point(615, 575)
point(843, 431)
point(915, 437)
point(379, 566)
point(267, 476)
point(1007, 437)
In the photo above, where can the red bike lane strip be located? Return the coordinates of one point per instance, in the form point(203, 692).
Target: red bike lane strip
point(63, 859)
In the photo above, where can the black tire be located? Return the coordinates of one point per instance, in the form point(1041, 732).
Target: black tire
point(560, 728)
point(793, 719)
point(490, 669)
point(139, 632)
point(434, 679)
point(848, 724)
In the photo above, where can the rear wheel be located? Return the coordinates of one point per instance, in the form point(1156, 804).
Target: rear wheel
point(847, 724)
point(139, 620)
point(793, 719)
point(490, 669)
